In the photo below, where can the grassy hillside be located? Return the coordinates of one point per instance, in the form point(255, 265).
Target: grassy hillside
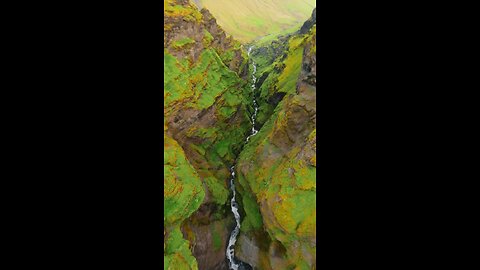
point(247, 20)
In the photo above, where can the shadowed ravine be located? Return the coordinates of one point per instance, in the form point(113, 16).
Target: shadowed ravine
point(239, 142)
point(235, 264)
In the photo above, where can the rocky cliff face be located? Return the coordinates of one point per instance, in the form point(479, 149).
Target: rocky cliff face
point(271, 59)
point(188, 32)
point(207, 105)
point(307, 25)
point(276, 171)
point(183, 194)
point(205, 124)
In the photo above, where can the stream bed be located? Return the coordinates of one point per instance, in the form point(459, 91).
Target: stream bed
point(235, 264)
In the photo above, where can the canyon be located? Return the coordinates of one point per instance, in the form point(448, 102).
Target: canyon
point(238, 119)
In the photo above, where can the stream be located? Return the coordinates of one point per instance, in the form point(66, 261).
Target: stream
point(233, 264)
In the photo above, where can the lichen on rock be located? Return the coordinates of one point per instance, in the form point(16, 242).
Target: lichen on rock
point(205, 121)
point(207, 108)
point(277, 169)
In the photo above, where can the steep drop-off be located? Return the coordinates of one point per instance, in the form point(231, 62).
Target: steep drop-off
point(276, 170)
point(209, 106)
point(205, 122)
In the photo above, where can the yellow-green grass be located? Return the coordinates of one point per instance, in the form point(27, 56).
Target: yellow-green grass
point(248, 20)
point(265, 40)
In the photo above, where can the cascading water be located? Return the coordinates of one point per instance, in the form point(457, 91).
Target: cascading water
point(233, 236)
point(254, 116)
point(233, 265)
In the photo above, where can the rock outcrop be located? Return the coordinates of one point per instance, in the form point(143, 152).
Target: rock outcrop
point(188, 32)
point(205, 121)
point(183, 194)
point(276, 170)
point(207, 105)
point(307, 25)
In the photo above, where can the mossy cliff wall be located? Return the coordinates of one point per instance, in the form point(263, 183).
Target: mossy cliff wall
point(205, 122)
point(276, 170)
point(207, 103)
point(183, 194)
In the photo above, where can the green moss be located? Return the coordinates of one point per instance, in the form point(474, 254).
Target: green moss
point(198, 148)
point(313, 134)
point(302, 265)
point(217, 240)
point(188, 12)
point(217, 80)
point(183, 192)
point(222, 147)
point(208, 80)
point(304, 203)
point(177, 252)
point(175, 85)
point(227, 112)
point(218, 190)
point(182, 42)
point(205, 132)
point(207, 38)
point(228, 56)
point(253, 219)
point(278, 177)
point(288, 79)
point(206, 85)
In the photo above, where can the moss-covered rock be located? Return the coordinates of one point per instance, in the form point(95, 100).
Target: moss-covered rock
point(205, 112)
point(189, 31)
point(183, 194)
point(206, 122)
point(277, 168)
point(207, 105)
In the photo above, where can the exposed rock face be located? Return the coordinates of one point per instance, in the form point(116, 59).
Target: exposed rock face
point(206, 123)
point(183, 194)
point(188, 32)
point(214, 235)
point(276, 171)
point(309, 23)
point(272, 58)
point(205, 117)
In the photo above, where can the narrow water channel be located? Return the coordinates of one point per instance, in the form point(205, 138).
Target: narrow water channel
point(233, 264)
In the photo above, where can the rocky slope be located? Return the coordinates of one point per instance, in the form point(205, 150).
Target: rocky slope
point(276, 170)
point(188, 32)
point(271, 64)
point(205, 124)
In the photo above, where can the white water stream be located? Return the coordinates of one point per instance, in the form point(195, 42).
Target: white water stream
point(233, 237)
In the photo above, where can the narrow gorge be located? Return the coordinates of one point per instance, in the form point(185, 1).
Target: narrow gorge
point(239, 145)
point(234, 205)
